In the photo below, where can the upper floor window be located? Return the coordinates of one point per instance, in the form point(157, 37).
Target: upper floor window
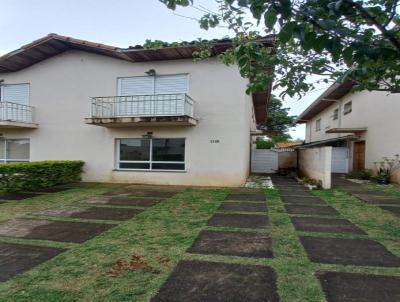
point(15, 93)
point(318, 125)
point(153, 85)
point(14, 150)
point(335, 114)
point(347, 108)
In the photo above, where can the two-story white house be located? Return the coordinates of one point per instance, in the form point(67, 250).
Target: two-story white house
point(150, 116)
point(362, 127)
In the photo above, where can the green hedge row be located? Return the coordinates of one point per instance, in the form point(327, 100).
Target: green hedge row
point(16, 177)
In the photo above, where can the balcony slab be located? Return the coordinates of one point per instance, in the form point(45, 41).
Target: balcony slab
point(142, 121)
point(17, 125)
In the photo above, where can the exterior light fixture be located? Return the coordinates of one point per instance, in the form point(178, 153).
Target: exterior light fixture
point(151, 72)
point(148, 135)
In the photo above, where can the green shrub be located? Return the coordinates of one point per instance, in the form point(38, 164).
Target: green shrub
point(16, 177)
point(264, 144)
point(362, 174)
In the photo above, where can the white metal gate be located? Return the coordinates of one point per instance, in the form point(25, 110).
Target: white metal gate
point(264, 161)
point(340, 160)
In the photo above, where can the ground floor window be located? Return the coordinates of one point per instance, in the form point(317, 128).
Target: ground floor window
point(14, 150)
point(151, 153)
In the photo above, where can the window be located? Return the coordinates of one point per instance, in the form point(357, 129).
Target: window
point(15, 93)
point(151, 154)
point(347, 108)
point(14, 150)
point(318, 125)
point(335, 114)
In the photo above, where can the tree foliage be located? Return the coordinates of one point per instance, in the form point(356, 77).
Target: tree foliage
point(337, 39)
point(279, 121)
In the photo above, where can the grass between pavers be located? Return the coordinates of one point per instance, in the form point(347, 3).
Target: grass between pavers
point(391, 189)
point(18, 208)
point(296, 280)
point(128, 262)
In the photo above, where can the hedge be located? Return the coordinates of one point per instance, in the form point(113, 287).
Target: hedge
point(16, 177)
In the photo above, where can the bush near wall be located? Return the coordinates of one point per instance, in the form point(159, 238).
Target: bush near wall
point(16, 177)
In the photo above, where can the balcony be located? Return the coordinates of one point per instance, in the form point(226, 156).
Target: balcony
point(142, 110)
point(14, 115)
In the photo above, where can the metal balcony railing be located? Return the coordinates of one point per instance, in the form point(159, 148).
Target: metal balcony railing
point(142, 106)
point(14, 112)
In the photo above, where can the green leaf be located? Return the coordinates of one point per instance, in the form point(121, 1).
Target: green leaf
point(320, 43)
point(270, 18)
point(287, 32)
point(348, 56)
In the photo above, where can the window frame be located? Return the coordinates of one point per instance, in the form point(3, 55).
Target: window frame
point(6, 160)
point(348, 110)
point(3, 85)
point(150, 161)
point(318, 125)
point(335, 115)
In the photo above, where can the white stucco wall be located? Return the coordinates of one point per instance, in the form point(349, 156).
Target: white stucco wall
point(60, 90)
point(315, 163)
point(378, 111)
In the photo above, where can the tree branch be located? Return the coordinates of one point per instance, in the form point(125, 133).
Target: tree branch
point(365, 13)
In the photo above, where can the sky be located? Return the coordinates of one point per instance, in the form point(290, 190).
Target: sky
point(120, 23)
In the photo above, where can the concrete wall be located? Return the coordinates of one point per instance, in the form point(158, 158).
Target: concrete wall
point(287, 160)
point(60, 92)
point(378, 111)
point(316, 163)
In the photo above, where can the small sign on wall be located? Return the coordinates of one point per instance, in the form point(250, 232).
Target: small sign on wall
point(214, 141)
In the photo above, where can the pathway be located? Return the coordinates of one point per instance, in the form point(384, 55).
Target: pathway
point(311, 215)
point(376, 197)
point(239, 228)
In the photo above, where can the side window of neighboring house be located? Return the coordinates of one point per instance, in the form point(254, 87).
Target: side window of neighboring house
point(335, 114)
point(318, 125)
point(347, 108)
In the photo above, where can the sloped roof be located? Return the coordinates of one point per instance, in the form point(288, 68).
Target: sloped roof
point(54, 44)
point(333, 93)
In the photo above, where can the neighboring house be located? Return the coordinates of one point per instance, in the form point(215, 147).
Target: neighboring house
point(133, 115)
point(362, 127)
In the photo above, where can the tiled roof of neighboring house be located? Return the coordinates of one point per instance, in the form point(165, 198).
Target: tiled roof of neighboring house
point(54, 44)
point(288, 144)
point(333, 93)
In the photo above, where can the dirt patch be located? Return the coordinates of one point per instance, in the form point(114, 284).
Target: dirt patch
point(306, 200)
point(348, 252)
point(243, 206)
point(350, 287)
point(201, 281)
point(246, 196)
point(331, 225)
point(135, 263)
point(239, 220)
point(393, 210)
point(310, 210)
point(243, 244)
point(17, 196)
point(18, 258)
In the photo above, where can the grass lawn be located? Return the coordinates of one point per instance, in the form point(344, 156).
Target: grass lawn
point(132, 260)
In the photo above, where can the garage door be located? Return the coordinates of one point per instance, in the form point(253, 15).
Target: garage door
point(340, 160)
point(264, 161)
